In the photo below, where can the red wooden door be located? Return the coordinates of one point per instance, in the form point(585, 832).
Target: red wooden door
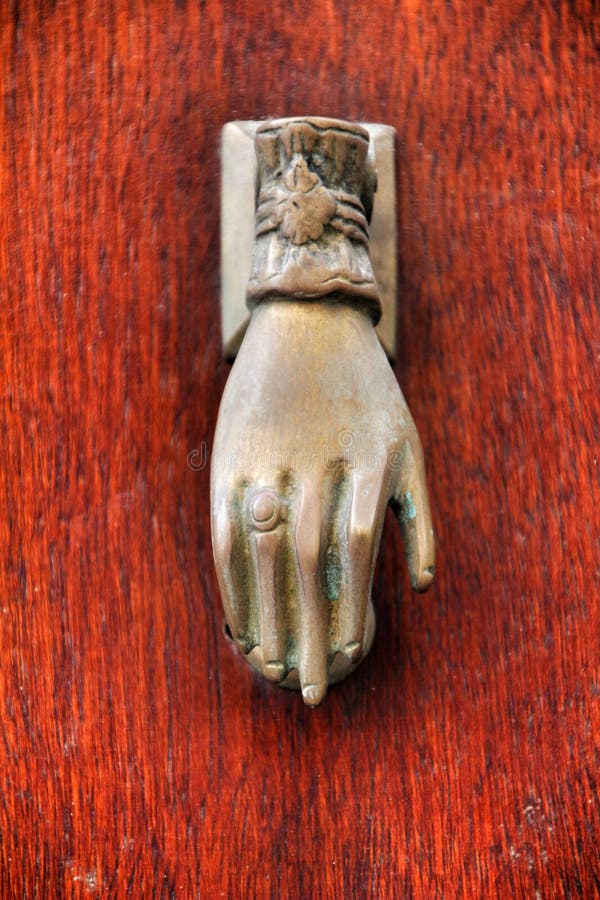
point(138, 755)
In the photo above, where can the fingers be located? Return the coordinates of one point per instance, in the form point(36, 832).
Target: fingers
point(233, 560)
point(363, 534)
point(411, 504)
point(222, 551)
point(265, 514)
point(297, 619)
point(313, 624)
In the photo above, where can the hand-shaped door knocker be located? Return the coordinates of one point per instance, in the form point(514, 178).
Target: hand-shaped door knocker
point(314, 438)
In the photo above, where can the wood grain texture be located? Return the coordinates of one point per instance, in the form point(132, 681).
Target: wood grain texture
point(138, 755)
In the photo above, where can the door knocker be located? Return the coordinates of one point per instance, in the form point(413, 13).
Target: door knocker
point(314, 438)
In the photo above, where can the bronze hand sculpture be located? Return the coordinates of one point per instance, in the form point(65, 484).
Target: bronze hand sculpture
point(314, 438)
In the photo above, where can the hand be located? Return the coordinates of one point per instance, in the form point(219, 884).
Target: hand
point(314, 439)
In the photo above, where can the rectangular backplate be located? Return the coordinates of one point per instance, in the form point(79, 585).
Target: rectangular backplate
point(238, 185)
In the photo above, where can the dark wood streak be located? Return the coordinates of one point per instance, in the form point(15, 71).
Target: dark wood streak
point(138, 755)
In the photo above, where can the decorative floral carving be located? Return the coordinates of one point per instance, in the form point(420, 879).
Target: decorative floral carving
point(308, 206)
point(311, 230)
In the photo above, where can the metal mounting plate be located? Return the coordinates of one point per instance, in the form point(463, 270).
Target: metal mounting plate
point(238, 178)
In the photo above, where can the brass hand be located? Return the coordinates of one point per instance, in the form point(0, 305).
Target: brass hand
point(314, 439)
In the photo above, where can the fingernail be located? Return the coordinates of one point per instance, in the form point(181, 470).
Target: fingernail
point(274, 670)
point(313, 693)
point(353, 651)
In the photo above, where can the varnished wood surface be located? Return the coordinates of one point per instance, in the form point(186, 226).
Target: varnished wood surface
point(138, 756)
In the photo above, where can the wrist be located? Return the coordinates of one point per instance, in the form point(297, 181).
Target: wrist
point(315, 193)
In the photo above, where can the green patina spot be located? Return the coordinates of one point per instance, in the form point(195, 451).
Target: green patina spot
point(333, 573)
point(408, 510)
